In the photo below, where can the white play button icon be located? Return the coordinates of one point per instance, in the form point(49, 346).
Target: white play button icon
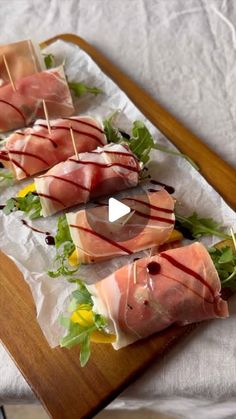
point(116, 210)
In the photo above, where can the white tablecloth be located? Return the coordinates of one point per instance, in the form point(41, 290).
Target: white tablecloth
point(184, 53)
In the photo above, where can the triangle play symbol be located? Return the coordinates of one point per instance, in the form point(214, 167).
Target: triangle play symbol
point(116, 210)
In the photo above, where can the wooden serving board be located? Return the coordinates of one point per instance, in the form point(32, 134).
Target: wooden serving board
point(64, 388)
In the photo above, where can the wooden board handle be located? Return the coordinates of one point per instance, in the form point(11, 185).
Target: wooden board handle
point(216, 171)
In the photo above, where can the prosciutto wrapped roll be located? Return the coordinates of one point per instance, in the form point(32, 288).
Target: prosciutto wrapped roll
point(33, 150)
point(21, 107)
point(177, 286)
point(150, 225)
point(22, 61)
point(103, 171)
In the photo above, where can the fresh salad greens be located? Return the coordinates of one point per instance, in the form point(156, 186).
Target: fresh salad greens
point(79, 331)
point(78, 88)
point(30, 204)
point(65, 247)
point(49, 60)
point(141, 142)
point(194, 227)
point(81, 89)
point(6, 178)
point(224, 260)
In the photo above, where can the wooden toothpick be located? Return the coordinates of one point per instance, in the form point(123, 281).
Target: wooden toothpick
point(233, 237)
point(73, 142)
point(46, 117)
point(127, 218)
point(135, 271)
point(9, 73)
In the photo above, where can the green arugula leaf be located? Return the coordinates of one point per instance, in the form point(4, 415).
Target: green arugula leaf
point(61, 262)
point(82, 295)
point(77, 333)
point(85, 350)
point(81, 89)
point(224, 260)
point(9, 206)
point(30, 204)
point(198, 227)
point(63, 232)
point(6, 175)
point(113, 135)
point(141, 142)
point(49, 61)
point(6, 178)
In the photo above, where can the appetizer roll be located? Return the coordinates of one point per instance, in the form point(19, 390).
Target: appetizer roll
point(33, 150)
point(150, 223)
point(22, 61)
point(104, 171)
point(21, 107)
point(176, 286)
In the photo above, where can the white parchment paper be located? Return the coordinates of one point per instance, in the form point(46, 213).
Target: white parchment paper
point(29, 250)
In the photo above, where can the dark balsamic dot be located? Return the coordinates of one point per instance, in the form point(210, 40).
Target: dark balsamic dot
point(131, 308)
point(152, 190)
point(124, 134)
point(50, 240)
point(153, 268)
point(146, 303)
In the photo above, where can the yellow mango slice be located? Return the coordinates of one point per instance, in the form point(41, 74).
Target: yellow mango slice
point(85, 318)
point(175, 235)
point(73, 259)
point(23, 192)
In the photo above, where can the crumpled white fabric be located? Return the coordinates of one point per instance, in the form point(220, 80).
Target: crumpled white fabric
point(183, 53)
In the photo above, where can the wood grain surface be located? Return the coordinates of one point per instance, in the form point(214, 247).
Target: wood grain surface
point(66, 390)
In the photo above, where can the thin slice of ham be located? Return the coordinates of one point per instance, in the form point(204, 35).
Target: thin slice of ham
point(22, 59)
point(96, 239)
point(103, 171)
point(177, 286)
point(21, 107)
point(33, 150)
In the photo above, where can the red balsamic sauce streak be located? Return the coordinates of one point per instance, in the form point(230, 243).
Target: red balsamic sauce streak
point(16, 109)
point(189, 288)
point(106, 166)
point(113, 243)
point(188, 271)
point(166, 210)
point(34, 228)
point(33, 134)
point(152, 190)
point(26, 153)
point(87, 134)
point(169, 188)
point(68, 181)
point(119, 153)
point(4, 156)
point(85, 123)
point(20, 167)
point(154, 217)
point(52, 198)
